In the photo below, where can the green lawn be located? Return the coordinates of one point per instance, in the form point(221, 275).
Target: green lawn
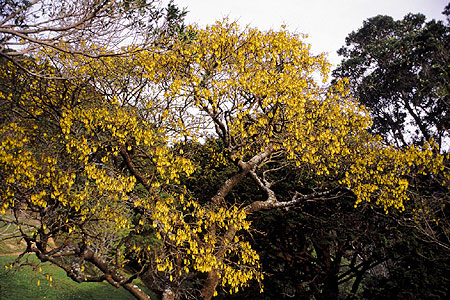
point(22, 284)
point(9, 240)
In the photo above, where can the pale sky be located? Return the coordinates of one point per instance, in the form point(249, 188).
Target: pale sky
point(327, 22)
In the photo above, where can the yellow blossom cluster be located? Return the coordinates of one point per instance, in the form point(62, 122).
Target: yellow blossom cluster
point(186, 228)
point(65, 149)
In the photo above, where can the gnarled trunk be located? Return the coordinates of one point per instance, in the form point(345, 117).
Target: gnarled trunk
point(136, 291)
point(210, 285)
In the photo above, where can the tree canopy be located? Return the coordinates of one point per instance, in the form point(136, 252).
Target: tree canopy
point(91, 28)
point(95, 166)
point(400, 71)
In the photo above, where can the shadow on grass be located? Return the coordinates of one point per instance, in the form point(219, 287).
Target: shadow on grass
point(23, 284)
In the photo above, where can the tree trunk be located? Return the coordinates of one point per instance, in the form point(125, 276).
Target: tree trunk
point(136, 291)
point(213, 278)
point(210, 285)
point(331, 288)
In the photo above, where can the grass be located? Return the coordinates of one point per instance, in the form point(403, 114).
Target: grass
point(9, 242)
point(23, 284)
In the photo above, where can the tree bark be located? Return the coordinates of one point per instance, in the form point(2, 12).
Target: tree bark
point(213, 279)
point(271, 203)
point(136, 291)
point(110, 273)
point(210, 285)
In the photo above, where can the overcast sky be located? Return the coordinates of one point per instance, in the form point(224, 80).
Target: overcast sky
point(327, 22)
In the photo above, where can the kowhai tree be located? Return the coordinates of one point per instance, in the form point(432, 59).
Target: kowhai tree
point(97, 160)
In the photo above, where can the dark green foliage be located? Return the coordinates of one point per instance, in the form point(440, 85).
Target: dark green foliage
point(320, 250)
point(400, 71)
point(416, 270)
point(209, 174)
